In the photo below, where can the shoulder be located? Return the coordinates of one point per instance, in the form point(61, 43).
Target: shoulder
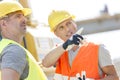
point(15, 49)
point(104, 56)
point(14, 57)
point(14, 52)
point(103, 49)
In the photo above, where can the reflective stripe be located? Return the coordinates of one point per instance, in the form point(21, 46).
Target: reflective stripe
point(62, 77)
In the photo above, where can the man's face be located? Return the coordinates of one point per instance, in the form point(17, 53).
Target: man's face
point(66, 29)
point(15, 24)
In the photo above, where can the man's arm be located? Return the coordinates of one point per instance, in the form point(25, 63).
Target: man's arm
point(9, 74)
point(52, 57)
point(106, 64)
point(110, 73)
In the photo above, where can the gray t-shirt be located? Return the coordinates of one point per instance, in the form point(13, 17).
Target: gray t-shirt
point(103, 55)
point(14, 57)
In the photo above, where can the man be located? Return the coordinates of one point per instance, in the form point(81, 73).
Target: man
point(87, 57)
point(16, 63)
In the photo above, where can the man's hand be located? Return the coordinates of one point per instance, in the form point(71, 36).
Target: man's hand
point(75, 39)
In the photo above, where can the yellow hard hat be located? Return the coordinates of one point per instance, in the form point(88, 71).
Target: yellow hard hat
point(7, 7)
point(56, 17)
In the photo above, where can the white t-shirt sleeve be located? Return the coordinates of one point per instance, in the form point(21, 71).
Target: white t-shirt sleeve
point(104, 56)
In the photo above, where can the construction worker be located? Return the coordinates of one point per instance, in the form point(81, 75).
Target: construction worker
point(16, 63)
point(93, 59)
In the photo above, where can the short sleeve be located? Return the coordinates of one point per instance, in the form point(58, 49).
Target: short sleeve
point(104, 56)
point(14, 57)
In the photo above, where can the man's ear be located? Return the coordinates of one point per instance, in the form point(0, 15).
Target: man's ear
point(0, 26)
point(2, 23)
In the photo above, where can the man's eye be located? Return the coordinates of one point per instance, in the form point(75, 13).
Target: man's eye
point(19, 15)
point(61, 28)
point(69, 23)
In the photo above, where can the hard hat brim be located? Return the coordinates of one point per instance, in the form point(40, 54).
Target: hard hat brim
point(8, 7)
point(26, 11)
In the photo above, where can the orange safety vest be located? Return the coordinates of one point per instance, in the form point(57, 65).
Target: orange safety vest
point(86, 60)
